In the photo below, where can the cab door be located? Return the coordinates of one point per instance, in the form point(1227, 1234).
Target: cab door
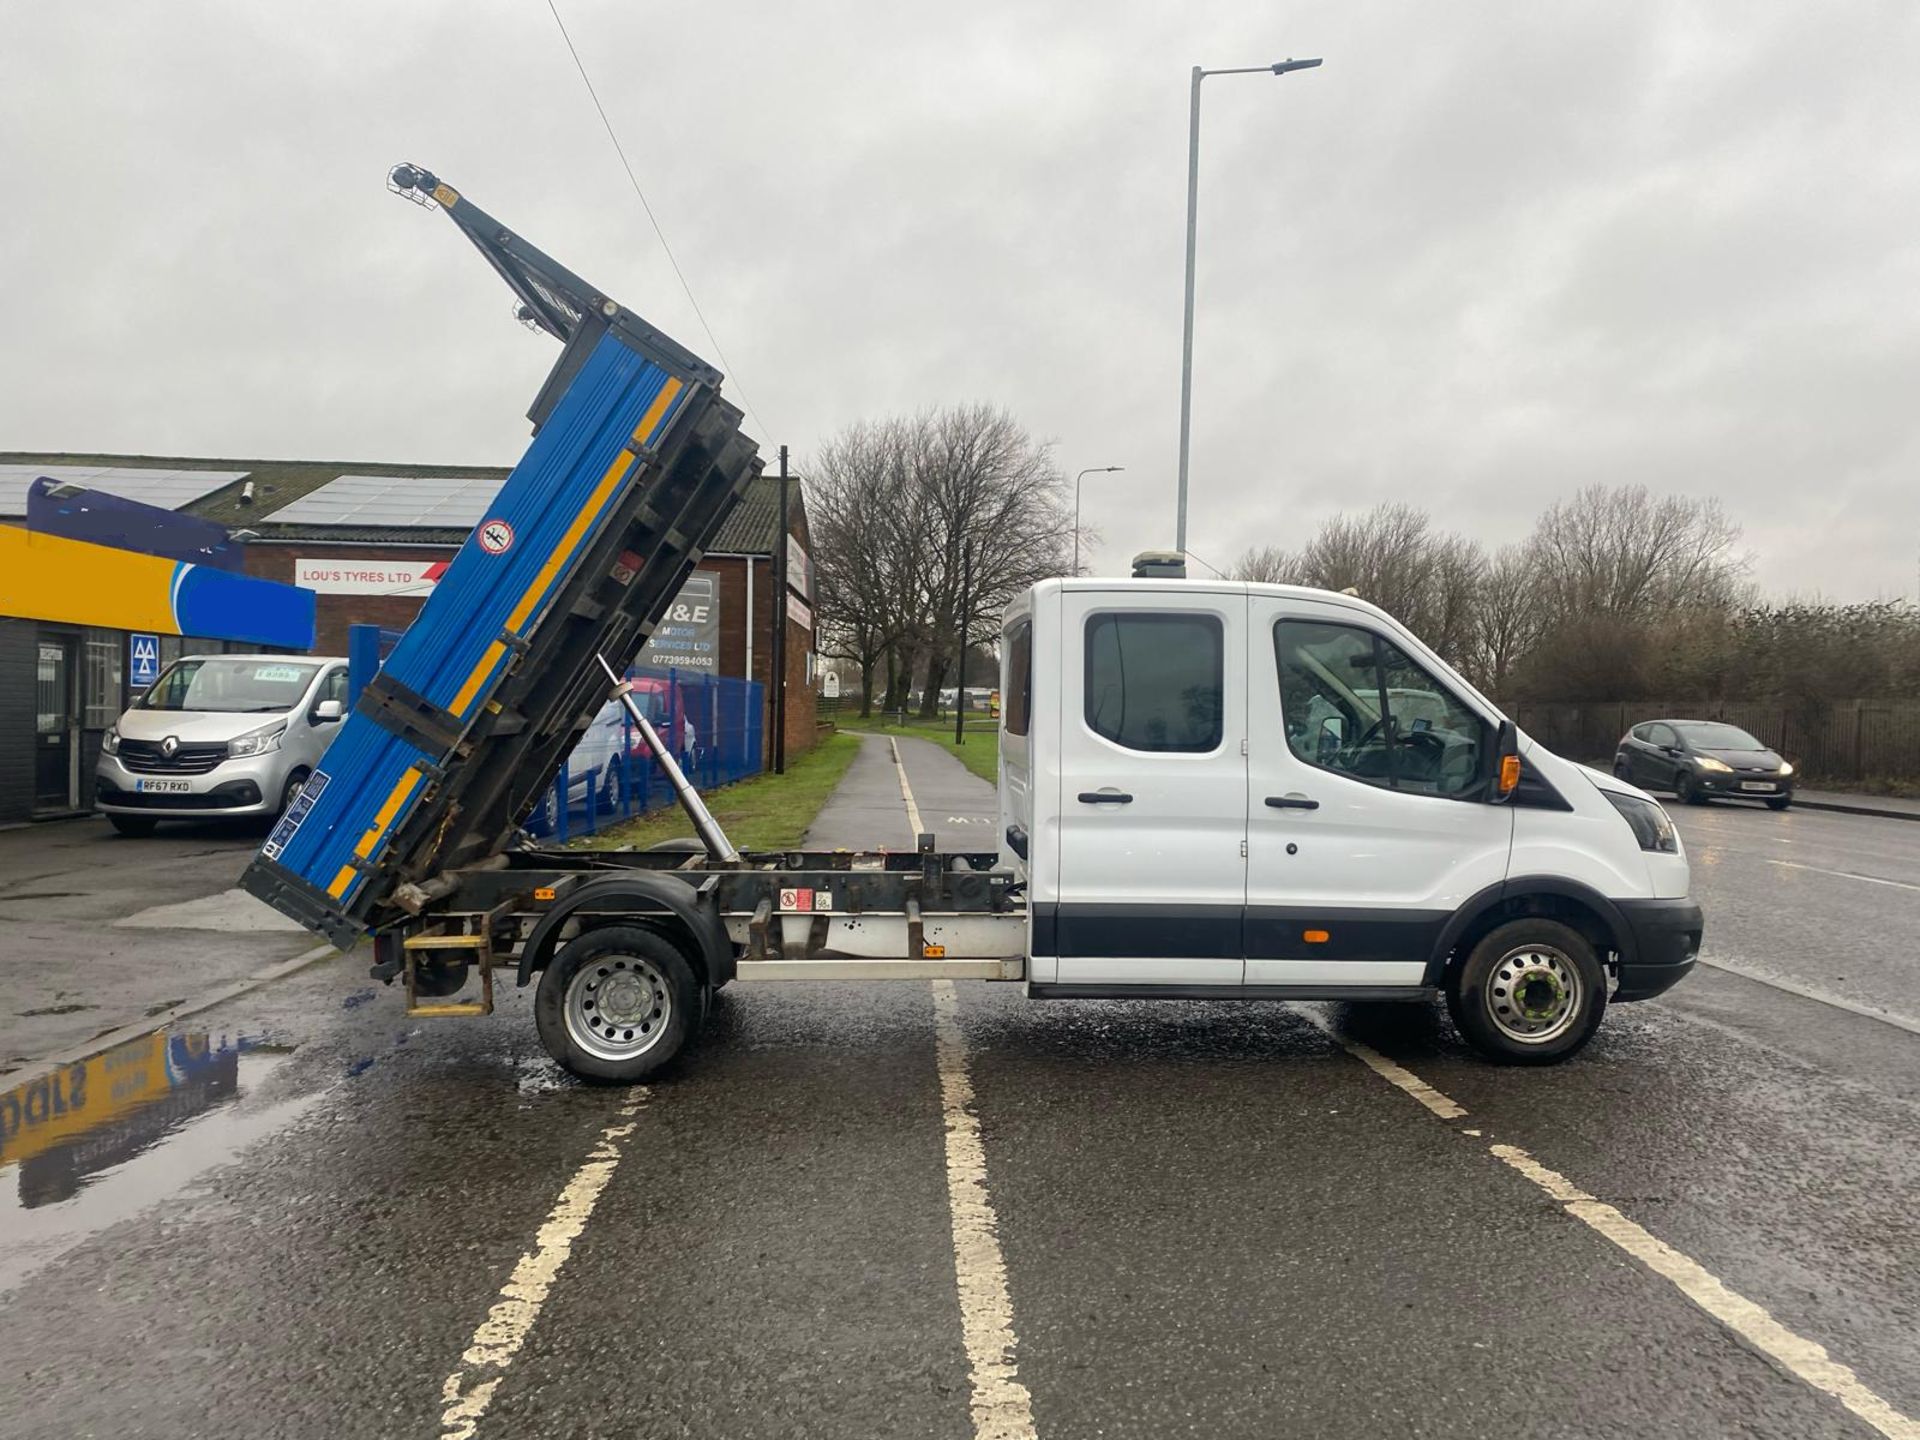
point(1368, 824)
point(1153, 789)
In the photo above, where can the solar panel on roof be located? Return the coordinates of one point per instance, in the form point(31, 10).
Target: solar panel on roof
point(170, 489)
point(399, 502)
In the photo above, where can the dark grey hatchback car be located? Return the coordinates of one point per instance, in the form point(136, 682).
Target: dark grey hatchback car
point(1697, 759)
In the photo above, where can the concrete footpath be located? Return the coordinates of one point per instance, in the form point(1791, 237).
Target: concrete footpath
point(867, 812)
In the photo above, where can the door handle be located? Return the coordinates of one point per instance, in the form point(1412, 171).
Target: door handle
point(1105, 797)
point(1292, 802)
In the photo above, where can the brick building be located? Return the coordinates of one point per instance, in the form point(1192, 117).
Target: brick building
point(366, 538)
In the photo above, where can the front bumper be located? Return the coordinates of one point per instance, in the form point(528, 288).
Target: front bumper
point(248, 786)
point(1665, 944)
point(1712, 782)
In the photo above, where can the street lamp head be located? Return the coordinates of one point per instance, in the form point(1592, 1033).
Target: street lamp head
point(1283, 66)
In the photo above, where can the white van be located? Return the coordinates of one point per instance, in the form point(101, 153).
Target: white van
point(1225, 789)
point(220, 735)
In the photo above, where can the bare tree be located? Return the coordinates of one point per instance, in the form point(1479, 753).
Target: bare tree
point(899, 504)
point(1508, 617)
point(1269, 564)
point(1392, 556)
point(866, 552)
point(1615, 550)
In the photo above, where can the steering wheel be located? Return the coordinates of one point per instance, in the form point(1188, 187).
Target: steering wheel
point(1427, 740)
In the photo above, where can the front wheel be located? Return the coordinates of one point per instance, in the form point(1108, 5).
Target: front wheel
point(616, 1004)
point(296, 782)
point(1780, 802)
point(132, 826)
point(1687, 790)
point(1530, 993)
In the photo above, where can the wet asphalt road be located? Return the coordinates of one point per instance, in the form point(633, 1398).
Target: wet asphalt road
point(1215, 1220)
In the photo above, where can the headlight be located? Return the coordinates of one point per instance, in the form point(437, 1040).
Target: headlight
point(110, 742)
point(1707, 762)
point(258, 742)
point(1651, 825)
point(1785, 768)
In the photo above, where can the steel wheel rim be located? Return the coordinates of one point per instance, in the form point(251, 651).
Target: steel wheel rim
point(1534, 994)
point(618, 1007)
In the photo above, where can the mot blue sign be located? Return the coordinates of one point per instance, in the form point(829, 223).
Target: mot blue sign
point(143, 660)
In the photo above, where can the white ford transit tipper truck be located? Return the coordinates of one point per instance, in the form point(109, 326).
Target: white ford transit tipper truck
point(1209, 790)
point(1221, 789)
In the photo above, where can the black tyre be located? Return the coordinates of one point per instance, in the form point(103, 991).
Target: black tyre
point(296, 782)
point(1530, 993)
point(617, 1004)
point(134, 826)
point(1687, 790)
point(1780, 802)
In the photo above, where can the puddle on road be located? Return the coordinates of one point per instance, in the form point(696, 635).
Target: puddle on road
point(98, 1141)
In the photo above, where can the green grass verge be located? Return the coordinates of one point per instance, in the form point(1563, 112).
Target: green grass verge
point(767, 812)
point(981, 753)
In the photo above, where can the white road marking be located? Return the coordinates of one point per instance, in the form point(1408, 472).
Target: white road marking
point(1842, 874)
point(1002, 1408)
point(906, 791)
point(1441, 1105)
point(1806, 1360)
point(1809, 992)
point(468, 1391)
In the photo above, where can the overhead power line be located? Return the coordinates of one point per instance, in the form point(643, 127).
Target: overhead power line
point(739, 385)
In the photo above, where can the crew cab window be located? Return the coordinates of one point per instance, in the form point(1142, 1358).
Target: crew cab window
point(1155, 680)
point(1017, 687)
point(1356, 704)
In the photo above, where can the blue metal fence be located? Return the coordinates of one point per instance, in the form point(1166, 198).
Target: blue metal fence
point(713, 723)
point(367, 648)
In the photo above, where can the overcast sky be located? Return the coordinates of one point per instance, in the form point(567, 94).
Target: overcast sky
point(1487, 254)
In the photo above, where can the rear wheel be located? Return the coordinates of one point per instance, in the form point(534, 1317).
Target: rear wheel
point(132, 825)
point(616, 1004)
point(1532, 992)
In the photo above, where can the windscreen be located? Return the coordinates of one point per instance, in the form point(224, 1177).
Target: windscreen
point(1712, 735)
point(231, 685)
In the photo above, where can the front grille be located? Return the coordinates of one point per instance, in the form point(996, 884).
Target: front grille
point(143, 757)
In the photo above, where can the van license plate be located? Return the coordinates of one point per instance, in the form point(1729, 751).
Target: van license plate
point(1757, 785)
point(163, 787)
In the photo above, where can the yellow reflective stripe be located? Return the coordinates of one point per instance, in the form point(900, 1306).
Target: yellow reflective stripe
point(662, 402)
point(562, 552)
point(616, 472)
point(398, 797)
point(403, 787)
point(478, 678)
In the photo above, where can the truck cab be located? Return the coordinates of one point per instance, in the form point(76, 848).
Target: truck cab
point(1222, 789)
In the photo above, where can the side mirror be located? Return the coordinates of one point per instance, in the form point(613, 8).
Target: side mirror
point(328, 710)
point(1506, 764)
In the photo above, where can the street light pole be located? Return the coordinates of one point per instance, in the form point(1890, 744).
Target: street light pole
point(1193, 212)
point(1095, 470)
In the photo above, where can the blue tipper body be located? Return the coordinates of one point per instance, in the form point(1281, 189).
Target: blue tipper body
point(634, 464)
